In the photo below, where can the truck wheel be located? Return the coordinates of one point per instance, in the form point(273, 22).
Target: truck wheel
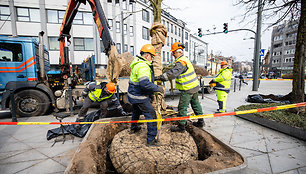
point(31, 103)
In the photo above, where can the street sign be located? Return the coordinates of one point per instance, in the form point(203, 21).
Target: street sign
point(262, 52)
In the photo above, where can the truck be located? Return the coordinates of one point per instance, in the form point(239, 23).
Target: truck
point(25, 67)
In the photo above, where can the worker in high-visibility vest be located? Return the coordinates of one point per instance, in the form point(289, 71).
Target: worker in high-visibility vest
point(188, 84)
point(100, 94)
point(223, 85)
point(141, 90)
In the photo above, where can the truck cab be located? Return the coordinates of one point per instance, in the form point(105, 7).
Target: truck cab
point(19, 70)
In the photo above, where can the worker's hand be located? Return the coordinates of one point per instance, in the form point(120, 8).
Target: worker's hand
point(161, 78)
point(161, 89)
point(84, 94)
point(123, 113)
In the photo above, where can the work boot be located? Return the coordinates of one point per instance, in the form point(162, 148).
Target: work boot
point(179, 128)
point(153, 143)
point(199, 123)
point(135, 130)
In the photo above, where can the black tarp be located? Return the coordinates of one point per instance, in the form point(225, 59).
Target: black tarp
point(76, 130)
point(259, 98)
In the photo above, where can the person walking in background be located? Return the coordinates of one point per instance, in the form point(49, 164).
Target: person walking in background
point(242, 79)
point(140, 92)
point(188, 84)
point(223, 84)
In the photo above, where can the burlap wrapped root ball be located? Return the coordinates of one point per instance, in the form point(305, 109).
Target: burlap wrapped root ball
point(129, 153)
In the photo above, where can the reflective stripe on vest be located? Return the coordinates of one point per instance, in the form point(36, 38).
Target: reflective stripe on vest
point(95, 95)
point(140, 97)
point(187, 80)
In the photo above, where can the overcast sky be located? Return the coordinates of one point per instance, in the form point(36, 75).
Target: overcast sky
point(210, 14)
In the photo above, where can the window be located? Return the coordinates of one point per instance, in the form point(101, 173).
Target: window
point(175, 40)
point(109, 1)
point(131, 7)
point(175, 30)
point(186, 35)
point(11, 52)
point(171, 41)
point(186, 46)
point(168, 40)
point(125, 29)
point(163, 22)
point(145, 33)
point(117, 26)
point(292, 42)
point(168, 26)
point(28, 14)
point(87, 18)
point(179, 31)
point(125, 48)
point(5, 13)
point(171, 28)
point(53, 44)
point(167, 56)
point(291, 51)
point(55, 16)
point(117, 2)
point(110, 23)
point(131, 31)
point(118, 46)
point(164, 56)
point(145, 15)
point(132, 50)
point(124, 5)
point(83, 44)
point(78, 19)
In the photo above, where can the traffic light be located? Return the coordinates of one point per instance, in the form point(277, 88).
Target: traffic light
point(225, 25)
point(200, 32)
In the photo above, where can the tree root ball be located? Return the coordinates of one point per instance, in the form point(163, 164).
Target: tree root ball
point(130, 154)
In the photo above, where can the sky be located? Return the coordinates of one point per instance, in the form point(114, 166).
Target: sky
point(210, 15)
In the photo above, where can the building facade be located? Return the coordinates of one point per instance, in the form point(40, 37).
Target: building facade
point(283, 43)
point(129, 23)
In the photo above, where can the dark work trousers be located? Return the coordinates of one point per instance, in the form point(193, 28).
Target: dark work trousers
point(89, 103)
point(147, 110)
point(185, 99)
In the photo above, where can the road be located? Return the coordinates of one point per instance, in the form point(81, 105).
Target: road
point(24, 149)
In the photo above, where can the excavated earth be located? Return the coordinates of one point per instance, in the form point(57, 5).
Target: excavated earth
point(109, 148)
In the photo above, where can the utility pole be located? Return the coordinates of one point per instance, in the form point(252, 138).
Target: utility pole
point(122, 26)
point(257, 48)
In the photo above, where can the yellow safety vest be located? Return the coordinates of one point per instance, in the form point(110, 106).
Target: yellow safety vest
point(188, 79)
point(95, 95)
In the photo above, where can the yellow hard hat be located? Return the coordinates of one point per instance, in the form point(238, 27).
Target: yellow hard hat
point(177, 45)
point(148, 48)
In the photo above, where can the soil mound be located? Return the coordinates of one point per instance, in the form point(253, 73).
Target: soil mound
point(129, 153)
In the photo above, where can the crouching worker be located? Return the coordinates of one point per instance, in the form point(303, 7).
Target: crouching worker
point(140, 92)
point(99, 94)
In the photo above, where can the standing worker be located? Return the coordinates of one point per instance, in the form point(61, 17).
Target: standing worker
point(223, 85)
point(99, 94)
point(188, 83)
point(242, 79)
point(140, 92)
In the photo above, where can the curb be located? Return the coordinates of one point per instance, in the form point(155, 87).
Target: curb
point(280, 127)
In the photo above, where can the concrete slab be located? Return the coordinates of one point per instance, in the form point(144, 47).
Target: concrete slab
point(13, 168)
point(260, 163)
point(45, 166)
point(15, 146)
point(243, 137)
point(302, 170)
point(22, 157)
point(285, 160)
point(291, 172)
point(247, 152)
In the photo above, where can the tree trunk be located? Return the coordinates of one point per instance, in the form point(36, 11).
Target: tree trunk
point(298, 84)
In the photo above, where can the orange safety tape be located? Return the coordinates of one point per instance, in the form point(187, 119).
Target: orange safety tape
point(167, 119)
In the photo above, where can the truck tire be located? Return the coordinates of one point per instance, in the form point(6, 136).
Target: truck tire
point(31, 103)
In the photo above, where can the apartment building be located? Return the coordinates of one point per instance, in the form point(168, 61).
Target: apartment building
point(129, 22)
point(283, 43)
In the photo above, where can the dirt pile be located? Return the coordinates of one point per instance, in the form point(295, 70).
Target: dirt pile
point(93, 154)
point(129, 153)
point(200, 71)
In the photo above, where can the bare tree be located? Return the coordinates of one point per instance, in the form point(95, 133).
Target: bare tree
point(295, 10)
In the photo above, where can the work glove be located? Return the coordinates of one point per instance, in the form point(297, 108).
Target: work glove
point(212, 81)
point(161, 89)
point(84, 94)
point(123, 113)
point(161, 78)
